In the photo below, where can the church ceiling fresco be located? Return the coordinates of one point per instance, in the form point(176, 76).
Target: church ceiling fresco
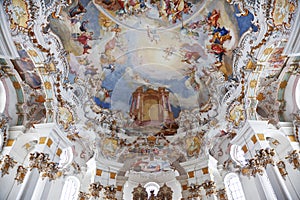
point(149, 81)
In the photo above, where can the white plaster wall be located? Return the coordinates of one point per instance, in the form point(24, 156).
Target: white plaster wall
point(292, 97)
point(168, 178)
point(2, 97)
point(128, 188)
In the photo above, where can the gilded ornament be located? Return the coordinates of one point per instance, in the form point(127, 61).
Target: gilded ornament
point(283, 84)
point(250, 65)
point(268, 51)
point(47, 85)
point(32, 53)
point(65, 117)
point(236, 115)
point(19, 9)
point(260, 97)
point(209, 187)
point(16, 85)
point(292, 7)
point(95, 188)
point(253, 83)
point(294, 158)
point(21, 173)
point(5, 164)
point(281, 167)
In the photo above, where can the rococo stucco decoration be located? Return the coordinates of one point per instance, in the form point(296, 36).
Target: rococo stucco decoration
point(148, 87)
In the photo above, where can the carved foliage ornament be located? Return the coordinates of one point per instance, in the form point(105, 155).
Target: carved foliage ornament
point(165, 192)
point(294, 158)
point(110, 192)
point(194, 191)
point(3, 130)
point(5, 164)
point(42, 162)
point(281, 167)
point(95, 189)
point(21, 173)
point(259, 162)
point(210, 187)
point(139, 193)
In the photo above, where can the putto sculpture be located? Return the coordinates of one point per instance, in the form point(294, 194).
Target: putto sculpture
point(294, 158)
point(95, 189)
point(281, 167)
point(21, 173)
point(6, 163)
point(110, 192)
point(38, 160)
point(83, 196)
point(210, 187)
point(259, 162)
point(51, 171)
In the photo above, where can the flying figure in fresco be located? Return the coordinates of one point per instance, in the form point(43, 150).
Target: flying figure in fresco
point(102, 98)
point(219, 36)
point(111, 67)
point(169, 51)
point(219, 52)
point(83, 39)
point(107, 56)
point(153, 35)
point(191, 57)
point(192, 78)
point(212, 18)
point(83, 25)
point(78, 9)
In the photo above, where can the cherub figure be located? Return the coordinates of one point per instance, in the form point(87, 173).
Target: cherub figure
point(6, 163)
point(294, 158)
point(95, 189)
point(281, 167)
point(212, 18)
point(83, 196)
point(21, 173)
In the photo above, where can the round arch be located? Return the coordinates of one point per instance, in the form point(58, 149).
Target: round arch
point(2, 97)
point(151, 186)
point(234, 187)
point(70, 189)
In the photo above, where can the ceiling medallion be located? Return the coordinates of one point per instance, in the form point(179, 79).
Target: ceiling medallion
point(236, 114)
point(65, 117)
point(161, 15)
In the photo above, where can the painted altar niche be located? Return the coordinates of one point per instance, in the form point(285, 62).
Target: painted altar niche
point(150, 107)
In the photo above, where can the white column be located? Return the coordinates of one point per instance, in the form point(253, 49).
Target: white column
point(183, 180)
point(266, 187)
point(48, 139)
point(250, 187)
point(120, 181)
point(278, 183)
point(29, 185)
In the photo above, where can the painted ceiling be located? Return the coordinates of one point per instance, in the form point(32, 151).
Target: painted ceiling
point(82, 61)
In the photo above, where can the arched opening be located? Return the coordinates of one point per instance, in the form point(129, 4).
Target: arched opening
point(66, 157)
point(152, 186)
point(297, 95)
point(70, 189)
point(2, 97)
point(233, 187)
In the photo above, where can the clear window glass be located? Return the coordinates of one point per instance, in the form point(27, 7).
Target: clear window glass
point(234, 187)
point(71, 189)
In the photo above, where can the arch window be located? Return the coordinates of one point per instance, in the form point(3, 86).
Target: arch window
point(151, 186)
point(2, 97)
point(234, 187)
point(70, 189)
point(297, 94)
